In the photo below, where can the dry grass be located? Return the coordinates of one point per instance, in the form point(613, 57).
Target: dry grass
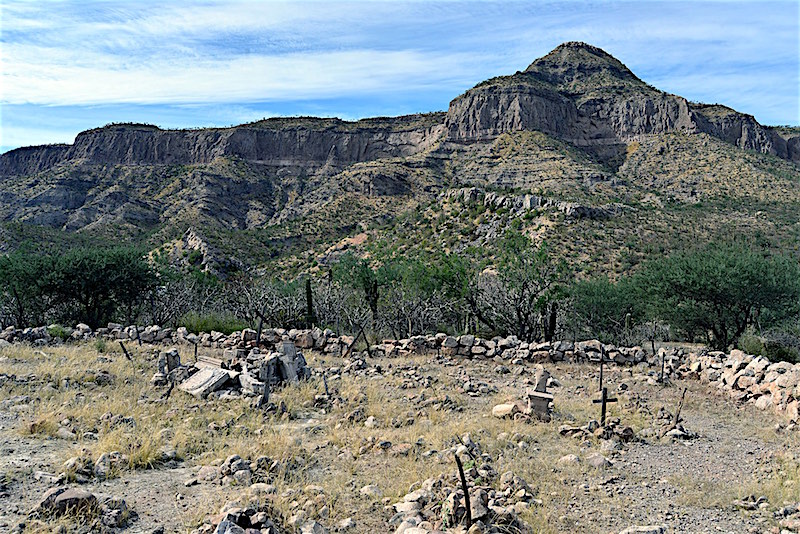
point(316, 446)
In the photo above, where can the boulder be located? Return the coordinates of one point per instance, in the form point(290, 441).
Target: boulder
point(505, 410)
point(58, 501)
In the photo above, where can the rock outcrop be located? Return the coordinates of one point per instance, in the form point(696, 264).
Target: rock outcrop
point(582, 95)
point(277, 142)
point(567, 128)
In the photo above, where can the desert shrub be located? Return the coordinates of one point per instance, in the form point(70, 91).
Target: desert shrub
point(58, 331)
point(750, 343)
point(217, 321)
point(601, 309)
point(521, 294)
point(83, 285)
point(100, 345)
point(22, 288)
point(720, 290)
point(776, 345)
point(782, 345)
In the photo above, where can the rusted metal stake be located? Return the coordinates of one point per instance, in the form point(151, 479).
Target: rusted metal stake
point(127, 355)
point(465, 488)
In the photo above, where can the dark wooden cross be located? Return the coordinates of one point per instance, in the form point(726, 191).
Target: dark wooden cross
point(602, 401)
point(602, 361)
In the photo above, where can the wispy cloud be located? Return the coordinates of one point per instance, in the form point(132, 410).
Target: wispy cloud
point(371, 57)
point(243, 78)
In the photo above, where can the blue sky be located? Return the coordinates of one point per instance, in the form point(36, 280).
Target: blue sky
point(72, 65)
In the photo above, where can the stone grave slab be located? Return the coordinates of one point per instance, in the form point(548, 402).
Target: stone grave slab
point(204, 382)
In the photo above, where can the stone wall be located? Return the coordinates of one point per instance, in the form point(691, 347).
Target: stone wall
point(745, 378)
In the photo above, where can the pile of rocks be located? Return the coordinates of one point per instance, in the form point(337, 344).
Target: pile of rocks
point(238, 373)
point(109, 512)
point(613, 431)
point(315, 338)
point(258, 514)
point(438, 504)
point(745, 378)
point(257, 517)
point(789, 517)
point(234, 470)
point(508, 349)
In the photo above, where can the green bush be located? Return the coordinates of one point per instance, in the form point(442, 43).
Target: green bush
point(206, 322)
point(775, 345)
point(81, 285)
point(56, 330)
point(721, 290)
point(782, 345)
point(100, 345)
point(751, 344)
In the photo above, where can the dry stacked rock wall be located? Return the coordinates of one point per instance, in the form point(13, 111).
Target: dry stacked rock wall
point(744, 377)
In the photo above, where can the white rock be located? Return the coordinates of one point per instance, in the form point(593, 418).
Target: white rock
point(371, 490)
point(649, 529)
point(569, 459)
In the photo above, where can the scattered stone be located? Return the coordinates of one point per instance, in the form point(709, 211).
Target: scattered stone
point(372, 491)
point(649, 529)
point(569, 459)
point(57, 501)
point(346, 524)
point(598, 461)
point(502, 411)
point(65, 433)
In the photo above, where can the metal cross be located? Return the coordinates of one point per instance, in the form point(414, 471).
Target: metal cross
point(602, 401)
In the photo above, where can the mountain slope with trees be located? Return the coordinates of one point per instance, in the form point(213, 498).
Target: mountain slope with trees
point(595, 172)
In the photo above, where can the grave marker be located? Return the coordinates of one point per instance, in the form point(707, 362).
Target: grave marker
point(602, 401)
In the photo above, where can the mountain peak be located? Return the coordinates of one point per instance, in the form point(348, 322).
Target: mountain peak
point(575, 66)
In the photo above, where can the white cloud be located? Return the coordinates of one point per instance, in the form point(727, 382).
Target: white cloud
point(55, 77)
point(237, 53)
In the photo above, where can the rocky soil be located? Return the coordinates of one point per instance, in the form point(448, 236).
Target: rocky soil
point(369, 445)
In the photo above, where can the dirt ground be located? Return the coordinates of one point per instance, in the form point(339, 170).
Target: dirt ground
point(690, 485)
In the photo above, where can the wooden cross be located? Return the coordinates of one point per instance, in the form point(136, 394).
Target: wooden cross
point(602, 361)
point(602, 401)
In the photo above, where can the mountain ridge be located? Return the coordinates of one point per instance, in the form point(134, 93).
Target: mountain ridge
point(577, 126)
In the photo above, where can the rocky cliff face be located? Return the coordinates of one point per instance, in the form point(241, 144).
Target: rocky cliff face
point(32, 159)
point(576, 125)
point(275, 142)
point(584, 96)
point(743, 131)
point(514, 104)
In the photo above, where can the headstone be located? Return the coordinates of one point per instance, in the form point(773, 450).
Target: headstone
point(288, 370)
point(251, 385)
point(204, 382)
point(289, 349)
point(539, 404)
point(540, 379)
point(268, 368)
point(173, 359)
